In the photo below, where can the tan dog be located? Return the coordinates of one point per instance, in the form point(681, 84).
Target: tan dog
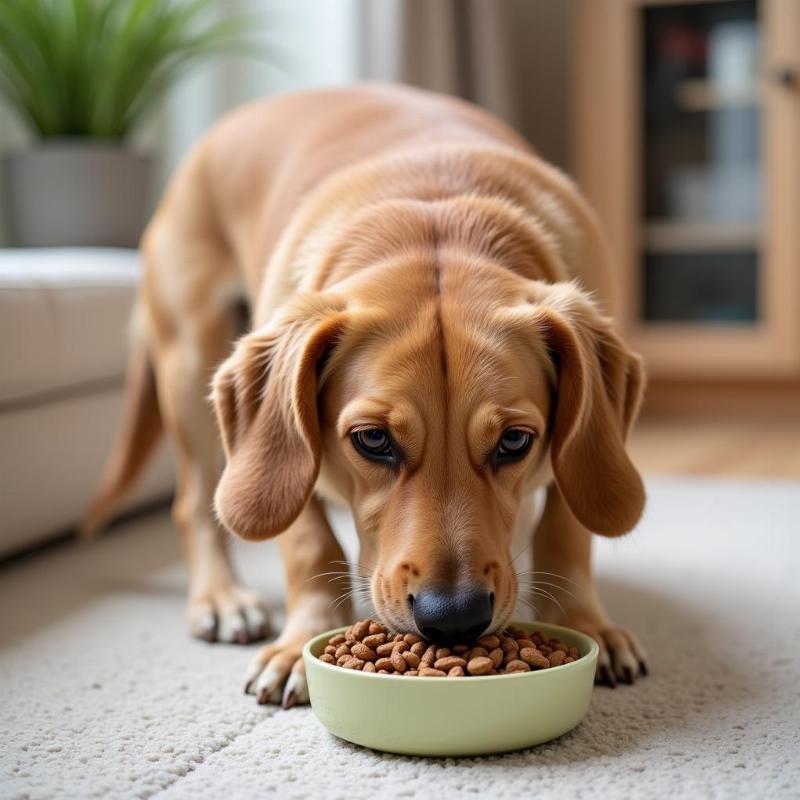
point(422, 349)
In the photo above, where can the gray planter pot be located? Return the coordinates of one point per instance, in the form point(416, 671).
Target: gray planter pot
point(76, 192)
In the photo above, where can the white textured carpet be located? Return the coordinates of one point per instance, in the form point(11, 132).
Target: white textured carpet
point(103, 695)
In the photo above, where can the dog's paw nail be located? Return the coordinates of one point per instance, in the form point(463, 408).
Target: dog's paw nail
point(289, 699)
point(628, 676)
point(242, 637)
point(606, 677)
point(643, 668)
point(247, 687)
point(263, 697)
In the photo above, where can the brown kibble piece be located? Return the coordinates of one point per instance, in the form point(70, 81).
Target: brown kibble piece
point(327, 658)
point(360, 650)
point(476, 652)
point(509, 645)
point(353, 663)
point(481, 665)
point(557, 658)
point(448, 662)
point(429, 656)
point(419, 648)
point(398, 662)
point(411, 638)
point(337, 640)
point(383, 663)
point(489, 642)
point(411, 658)
point(459, 649)
point(517, 665)
point(539, 661)
point(374, 640)
point(361, 629)
point(376, 629)
point(410, 673)
point(427, 672)
point(369, 667)
point(385, 649)
point(456, 672)
point(330, 650)
point(523, 643)
point(442, 652)
point(497, 656)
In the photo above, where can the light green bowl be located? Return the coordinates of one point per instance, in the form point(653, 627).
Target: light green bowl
point(453, 716)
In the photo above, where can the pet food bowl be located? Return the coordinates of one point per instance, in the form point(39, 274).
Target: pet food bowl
point(466, 716)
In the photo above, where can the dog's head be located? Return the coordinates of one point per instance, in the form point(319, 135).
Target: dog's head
point(432, 398)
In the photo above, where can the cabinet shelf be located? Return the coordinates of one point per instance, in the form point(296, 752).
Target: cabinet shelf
point(702, 95)
point(700, 237)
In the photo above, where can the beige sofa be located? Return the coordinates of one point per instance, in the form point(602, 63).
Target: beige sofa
point(63, 332)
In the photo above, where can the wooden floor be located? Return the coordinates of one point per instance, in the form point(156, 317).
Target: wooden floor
point(742, 448)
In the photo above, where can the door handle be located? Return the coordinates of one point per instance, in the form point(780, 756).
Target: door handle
point(786, 76)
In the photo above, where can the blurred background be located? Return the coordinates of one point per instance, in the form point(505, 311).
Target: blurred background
point(679, 120)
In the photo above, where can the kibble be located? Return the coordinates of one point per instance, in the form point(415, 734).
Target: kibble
point(368, 646)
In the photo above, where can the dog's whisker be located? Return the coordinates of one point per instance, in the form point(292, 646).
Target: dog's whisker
point(527, 546)
point(551, 574)
point(355, 581)
point(555, 586)
point(533, 584)
point(354, 568)
point(325, 574)
point(529, 604)
point(345, 597)
point(356, 590)
point(544, 593)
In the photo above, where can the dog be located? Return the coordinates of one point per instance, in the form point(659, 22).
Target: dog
point(425, 344)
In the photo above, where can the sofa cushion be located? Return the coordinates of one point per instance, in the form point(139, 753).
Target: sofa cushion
point(63, 319)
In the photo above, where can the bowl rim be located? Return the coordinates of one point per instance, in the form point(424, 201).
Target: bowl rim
point(594, 650)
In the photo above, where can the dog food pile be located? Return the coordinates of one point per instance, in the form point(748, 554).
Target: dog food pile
point(368, 646)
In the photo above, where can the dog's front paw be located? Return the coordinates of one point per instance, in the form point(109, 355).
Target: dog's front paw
point(277, 674)
point(227, 614)
point(621, 658)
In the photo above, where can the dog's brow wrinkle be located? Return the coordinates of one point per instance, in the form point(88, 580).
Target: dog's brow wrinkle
point(437, 265)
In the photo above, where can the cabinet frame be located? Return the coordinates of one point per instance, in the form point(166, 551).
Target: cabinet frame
point(606, 158)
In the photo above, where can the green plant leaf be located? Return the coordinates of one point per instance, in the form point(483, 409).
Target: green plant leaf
point(96, 67)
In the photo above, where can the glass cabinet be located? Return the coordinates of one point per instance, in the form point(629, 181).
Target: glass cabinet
point(686, 138)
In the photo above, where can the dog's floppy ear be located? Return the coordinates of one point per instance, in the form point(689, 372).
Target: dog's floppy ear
point(265, 396)
point(599, 390)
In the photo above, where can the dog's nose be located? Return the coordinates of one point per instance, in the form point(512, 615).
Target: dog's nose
point(460, 615)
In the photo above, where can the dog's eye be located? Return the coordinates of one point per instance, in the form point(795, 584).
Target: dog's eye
point(513, 445)
point(374, 444)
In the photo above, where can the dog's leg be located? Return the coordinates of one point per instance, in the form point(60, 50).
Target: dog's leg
point(562, 555)
point(309, 550)
point(218, 608)
point(190, 330)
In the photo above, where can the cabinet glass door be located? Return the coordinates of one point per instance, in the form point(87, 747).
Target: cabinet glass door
point(702, 173)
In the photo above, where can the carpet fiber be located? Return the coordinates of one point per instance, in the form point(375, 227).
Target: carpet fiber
point(103, 695)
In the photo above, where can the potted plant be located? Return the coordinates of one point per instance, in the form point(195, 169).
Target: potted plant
point(82, 74)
